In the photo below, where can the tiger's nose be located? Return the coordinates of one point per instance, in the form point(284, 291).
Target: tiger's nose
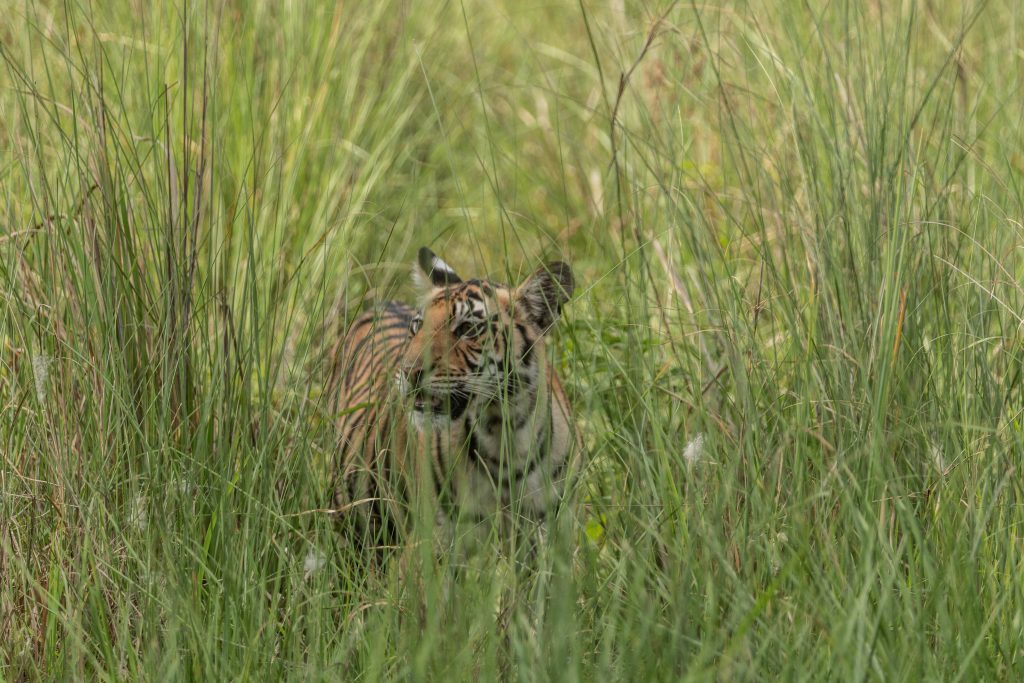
point(414, 376)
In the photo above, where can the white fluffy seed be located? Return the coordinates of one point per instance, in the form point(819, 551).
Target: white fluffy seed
point(41, 375)
point(314, 562)
point(694, 450)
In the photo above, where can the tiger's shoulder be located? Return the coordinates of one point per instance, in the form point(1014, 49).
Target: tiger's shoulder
point(364, 361)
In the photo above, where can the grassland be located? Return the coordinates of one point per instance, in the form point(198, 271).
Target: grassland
point(796, 349)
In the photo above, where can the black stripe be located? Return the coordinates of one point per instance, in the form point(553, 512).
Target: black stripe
point(443, 485)
point(399, 309)
point(543, 444)
point(361, 321)
point(350, 485)
point(559, 468)
point(482, 459)
point(435, 465)
point(374, 361)
point(474, 446)
point(350, 428)
point(386, 431)
point(371, 340)
point(541, 454)
point(370, 371)
point(528, 343)
point(457, 405)
point(373, 319)
point(395, 325)
point(515, 476)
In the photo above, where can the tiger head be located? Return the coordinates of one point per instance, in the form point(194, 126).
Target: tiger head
point(476, 342)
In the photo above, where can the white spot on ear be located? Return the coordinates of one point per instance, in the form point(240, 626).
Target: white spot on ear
point(437, 271)
point(438, 264)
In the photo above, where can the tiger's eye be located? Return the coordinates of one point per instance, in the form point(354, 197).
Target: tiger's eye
point(415, 325)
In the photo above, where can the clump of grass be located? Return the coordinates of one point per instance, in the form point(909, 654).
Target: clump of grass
point(795, 357)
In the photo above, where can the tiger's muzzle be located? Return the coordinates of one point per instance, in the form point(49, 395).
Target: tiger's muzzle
point(427, 398)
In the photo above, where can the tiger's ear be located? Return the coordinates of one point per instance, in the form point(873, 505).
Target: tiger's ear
point(433, 272)
point(544, 293)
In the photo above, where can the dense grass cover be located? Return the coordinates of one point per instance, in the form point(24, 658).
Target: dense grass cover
point(796, 350)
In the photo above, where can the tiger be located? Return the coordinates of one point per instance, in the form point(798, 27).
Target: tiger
point(455, 397)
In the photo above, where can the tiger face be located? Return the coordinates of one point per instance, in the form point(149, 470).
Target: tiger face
point(477, 343)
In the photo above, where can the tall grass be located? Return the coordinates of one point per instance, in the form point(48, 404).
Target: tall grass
point(795, 355)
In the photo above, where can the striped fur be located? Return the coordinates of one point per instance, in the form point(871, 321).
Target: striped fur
point(456, 400)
